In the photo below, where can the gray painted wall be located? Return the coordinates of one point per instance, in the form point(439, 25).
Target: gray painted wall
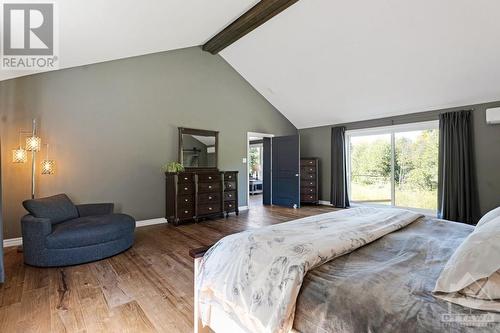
point(112, 125)
point(315, 142)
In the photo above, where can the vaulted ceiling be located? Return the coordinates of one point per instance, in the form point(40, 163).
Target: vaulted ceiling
point(330, 61)
point(92, 31)
point(320, 61)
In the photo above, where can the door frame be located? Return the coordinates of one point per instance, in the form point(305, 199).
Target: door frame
point(247, 178)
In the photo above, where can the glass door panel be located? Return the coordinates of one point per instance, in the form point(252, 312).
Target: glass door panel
point(370, 168)
point(416, 169)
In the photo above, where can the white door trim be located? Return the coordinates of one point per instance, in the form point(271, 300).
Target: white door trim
point(259, 135)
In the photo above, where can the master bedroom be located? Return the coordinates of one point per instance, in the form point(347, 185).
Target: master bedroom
point(249, 166)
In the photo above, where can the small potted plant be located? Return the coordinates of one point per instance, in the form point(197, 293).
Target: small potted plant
point(173, 167)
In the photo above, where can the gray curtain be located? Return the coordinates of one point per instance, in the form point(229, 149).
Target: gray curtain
point(457, 180)
point(339, 196)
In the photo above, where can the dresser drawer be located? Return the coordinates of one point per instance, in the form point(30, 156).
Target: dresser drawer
point(186, 213)
point(308, 176)
point(231, 195)
point(308, 190)
point(185, 178)
point(186, 201)
point(208, 187)
point(308, 183)
point(305, 162)
point(186, 188)
point(209, 209)
point(230, 206)
point(206, 198)
point(307, 197)
point(230, 176)
point(308, 169)
point(229, 186)
point(209, 177)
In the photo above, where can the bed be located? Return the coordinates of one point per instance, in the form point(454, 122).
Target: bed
point(382, 286)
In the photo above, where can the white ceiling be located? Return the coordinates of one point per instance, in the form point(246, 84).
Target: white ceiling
point(320, 61)
point(328, 61)
point(92, 31)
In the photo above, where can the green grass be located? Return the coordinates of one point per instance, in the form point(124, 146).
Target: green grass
point(381, 194)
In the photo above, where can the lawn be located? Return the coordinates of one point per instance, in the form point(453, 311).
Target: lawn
point(405, 197)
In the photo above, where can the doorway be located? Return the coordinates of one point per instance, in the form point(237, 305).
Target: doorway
point(257, 167)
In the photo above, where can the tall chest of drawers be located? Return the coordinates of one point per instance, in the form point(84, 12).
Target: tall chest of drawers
point(194, 195)
point(309, 189)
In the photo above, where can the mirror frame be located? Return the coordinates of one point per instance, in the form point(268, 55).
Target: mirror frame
point(193, 131)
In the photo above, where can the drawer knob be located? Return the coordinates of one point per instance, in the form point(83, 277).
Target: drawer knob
point(186, 200)
point(311, 176)
point(185, 178)
point(228, 185)
point(311, 183)
point(209, 177)
point(310, 162)
point(209, 186)
point(230, 195)
point(185, 188)
point(209, 198)
point(230, 177)
point(186, 211)
point(230, 206)
point(209, 208)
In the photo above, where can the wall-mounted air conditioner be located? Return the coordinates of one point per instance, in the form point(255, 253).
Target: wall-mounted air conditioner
point(493, 116)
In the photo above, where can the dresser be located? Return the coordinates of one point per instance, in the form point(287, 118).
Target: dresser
point(309, 190)
point(194, 195)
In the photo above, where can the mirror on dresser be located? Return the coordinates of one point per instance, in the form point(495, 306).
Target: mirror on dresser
point(198, 148)
point(201, 190)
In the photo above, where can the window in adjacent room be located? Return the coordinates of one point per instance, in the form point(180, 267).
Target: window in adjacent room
point(395, 165)
point(255, 161)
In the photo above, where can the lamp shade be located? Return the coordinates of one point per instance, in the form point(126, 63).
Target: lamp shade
point(33, 143)
point(48, 167)
point(19, 155)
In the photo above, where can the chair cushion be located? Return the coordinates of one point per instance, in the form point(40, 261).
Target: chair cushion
point(90, 230)
point(57, 208)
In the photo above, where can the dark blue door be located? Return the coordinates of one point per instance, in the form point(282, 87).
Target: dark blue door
point(286, 171)
point(266, 171)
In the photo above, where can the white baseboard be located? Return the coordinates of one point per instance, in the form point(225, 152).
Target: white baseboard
point(19, 241)
point(12, 242)
point(145, 223)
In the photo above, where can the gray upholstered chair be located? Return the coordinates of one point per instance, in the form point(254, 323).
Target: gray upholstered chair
point(59, 233)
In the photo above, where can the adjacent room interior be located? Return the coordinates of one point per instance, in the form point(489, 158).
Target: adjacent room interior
point(234, 166)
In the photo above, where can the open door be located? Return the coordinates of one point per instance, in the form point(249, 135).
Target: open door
point(266, 171)
point(285, 172)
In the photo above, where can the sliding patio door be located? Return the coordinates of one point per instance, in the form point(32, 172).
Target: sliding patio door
point(395, 165)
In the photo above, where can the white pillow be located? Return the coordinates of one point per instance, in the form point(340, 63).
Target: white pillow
point(472, 269)
point(492, 214)
point(487, 288)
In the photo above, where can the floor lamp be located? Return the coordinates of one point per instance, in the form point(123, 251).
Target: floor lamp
point(33, 144)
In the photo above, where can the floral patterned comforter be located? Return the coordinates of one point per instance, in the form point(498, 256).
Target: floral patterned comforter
point(256, 275)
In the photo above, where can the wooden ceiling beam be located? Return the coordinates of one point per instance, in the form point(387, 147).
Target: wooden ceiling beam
point(259, 14)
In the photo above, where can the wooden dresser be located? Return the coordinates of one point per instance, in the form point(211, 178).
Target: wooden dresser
point(309, 189)
point(193, 195)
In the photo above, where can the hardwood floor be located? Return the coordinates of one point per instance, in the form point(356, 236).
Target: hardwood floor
point(148, 288)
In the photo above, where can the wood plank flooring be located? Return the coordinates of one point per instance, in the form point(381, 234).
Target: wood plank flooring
point(148, 288)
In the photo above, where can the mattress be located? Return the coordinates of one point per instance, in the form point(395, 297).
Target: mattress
point(386, 286)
